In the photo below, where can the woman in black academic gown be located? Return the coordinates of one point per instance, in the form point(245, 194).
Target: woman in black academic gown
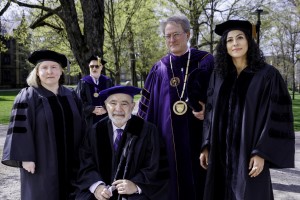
point(45, 131)
point(248, 125)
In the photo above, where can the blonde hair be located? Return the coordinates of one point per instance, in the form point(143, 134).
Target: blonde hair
point(33, 79)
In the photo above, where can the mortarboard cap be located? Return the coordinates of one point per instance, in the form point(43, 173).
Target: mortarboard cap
point(233, 25)
point(130, 90)
point(99, 59)
point(48, 55)
point(196, 88)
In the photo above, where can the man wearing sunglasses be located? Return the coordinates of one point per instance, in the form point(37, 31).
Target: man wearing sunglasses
point(89, 88)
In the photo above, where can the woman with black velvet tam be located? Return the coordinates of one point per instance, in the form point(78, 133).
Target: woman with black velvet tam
point(45, 131)
point(248, 125)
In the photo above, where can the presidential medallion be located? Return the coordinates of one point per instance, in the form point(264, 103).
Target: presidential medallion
point(174, 82)
point(179, 107)
point(96, 94)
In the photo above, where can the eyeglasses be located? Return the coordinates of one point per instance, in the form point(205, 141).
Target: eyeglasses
point(94, 66)
point(174, 35)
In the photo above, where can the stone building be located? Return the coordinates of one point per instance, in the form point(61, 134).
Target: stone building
point(13, 66)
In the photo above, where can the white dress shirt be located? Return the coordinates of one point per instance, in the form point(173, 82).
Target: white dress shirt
point(95, 185)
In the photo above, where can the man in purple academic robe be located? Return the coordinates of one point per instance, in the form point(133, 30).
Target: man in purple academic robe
point(173, 98)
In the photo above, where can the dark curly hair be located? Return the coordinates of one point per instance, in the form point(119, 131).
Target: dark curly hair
point(223, 61)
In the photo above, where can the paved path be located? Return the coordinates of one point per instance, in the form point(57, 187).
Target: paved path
point(9, 176)
point(286, 182)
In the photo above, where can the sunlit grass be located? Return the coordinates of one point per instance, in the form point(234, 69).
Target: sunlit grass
point(7, 99)
point(296, 111)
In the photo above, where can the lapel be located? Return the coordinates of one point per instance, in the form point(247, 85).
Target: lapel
point(133, 127)
point(110, 134)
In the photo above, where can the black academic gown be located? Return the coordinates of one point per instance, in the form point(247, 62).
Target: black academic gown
point(46, 129)
point(86, 89)
point(246, 116)
point(99, 162)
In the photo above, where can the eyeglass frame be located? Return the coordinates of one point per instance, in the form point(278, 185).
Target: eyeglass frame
point(175, 36)
point(94, 66)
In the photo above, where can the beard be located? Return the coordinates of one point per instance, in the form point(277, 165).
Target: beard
point(119, 119)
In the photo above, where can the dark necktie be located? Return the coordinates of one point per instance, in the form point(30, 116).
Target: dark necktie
point(118, 138)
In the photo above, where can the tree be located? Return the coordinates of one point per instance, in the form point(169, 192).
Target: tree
point(283, 36)
point(119, 15)
point(4, 7)
point(132, 39)
point(192, 9)
point(204, 14)
point(148, 41)
point(132, 55)
point(84, 41)
point(21, 33)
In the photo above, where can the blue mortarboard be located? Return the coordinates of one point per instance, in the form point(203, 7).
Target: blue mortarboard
point(48, 55)
point(233, 25)
point(98, 58)
point(130, 90)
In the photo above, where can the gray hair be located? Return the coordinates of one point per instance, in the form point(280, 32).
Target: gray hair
point(34, 81)
point(180, 19)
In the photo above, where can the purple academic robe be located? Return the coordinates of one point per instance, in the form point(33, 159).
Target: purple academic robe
point(181, 133)
point(46, 129)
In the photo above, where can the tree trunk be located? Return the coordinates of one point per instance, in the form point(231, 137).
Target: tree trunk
point(132, 56)
point(90, 42)
point(83, 44)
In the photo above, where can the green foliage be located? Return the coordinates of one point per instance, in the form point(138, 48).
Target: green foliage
point(296, 111)
point(45, 37)
point(117, 16)
point(2, 47)
point(144, 17)
point(7, 99)
point(149, 46)
point(21, 33)
point(137, 98)
point(281, 38)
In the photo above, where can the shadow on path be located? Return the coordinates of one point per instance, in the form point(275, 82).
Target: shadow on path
point(286, 188)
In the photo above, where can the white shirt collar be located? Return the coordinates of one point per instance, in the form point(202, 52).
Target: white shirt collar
point(115, 130)
point(95, 80)
point(184, 53)
point(115, 127)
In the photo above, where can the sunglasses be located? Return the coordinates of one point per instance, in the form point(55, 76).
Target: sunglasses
point(94, 66)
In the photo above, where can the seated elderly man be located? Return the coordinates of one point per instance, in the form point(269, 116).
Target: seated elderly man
point(121, 156)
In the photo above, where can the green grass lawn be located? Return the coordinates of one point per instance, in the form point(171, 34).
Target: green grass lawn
point(6, 101)
point(296, 111)
point(7, 98)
